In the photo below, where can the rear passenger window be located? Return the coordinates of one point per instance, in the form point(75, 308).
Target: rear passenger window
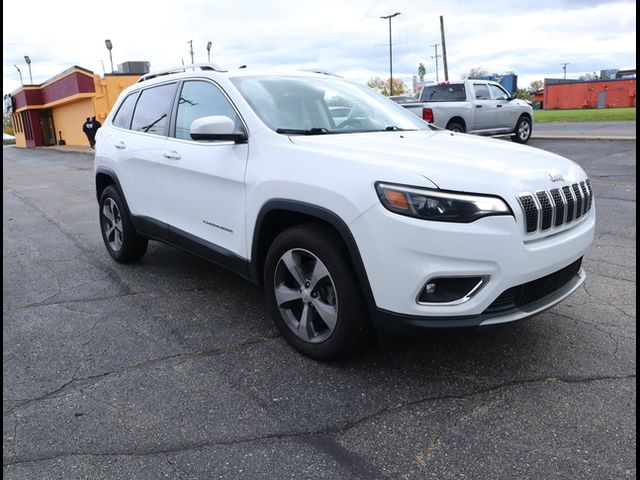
point(123, 117)
point(153, 109)
point(481, 91)
point(201, 99)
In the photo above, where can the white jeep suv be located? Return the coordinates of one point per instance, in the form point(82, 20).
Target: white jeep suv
point(373, 221)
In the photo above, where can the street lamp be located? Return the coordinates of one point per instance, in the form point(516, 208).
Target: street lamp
point(109, 47)
point(390, 53)
point(20, 73)
point(28, 60)
point(209, 44)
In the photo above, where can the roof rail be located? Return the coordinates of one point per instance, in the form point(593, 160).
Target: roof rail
point(181, 68)
point(322, 72)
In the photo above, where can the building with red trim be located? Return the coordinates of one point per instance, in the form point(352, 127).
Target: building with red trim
point(53, 112)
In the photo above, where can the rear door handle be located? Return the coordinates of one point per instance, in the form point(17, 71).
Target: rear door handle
point(120, 145)
point(172, 155)
point(478, 106)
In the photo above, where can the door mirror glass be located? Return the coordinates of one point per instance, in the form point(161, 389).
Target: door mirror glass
point(216, 127)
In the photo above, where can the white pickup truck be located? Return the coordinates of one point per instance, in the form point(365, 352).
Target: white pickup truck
point(474, 106)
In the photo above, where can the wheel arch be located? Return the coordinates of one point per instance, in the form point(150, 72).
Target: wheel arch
point(279, 214)
point(106, 177)
point(457, 119)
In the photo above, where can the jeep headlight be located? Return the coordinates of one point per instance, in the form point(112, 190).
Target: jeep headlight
point(439, 205)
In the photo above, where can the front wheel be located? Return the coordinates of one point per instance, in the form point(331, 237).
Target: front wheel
point(522, 133)
point(313, 294)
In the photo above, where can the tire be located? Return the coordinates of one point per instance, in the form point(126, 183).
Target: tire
point(456, 126)
point(522, 133)
point(119, 236)
point(313, 294)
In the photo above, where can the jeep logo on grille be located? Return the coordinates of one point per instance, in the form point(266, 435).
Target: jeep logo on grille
point(556, 178)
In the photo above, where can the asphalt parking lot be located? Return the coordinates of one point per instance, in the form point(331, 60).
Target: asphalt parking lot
point(171, 368)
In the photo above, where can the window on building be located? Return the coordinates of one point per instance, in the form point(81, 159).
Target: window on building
point(152, 111)
point(123, 116)
point(200, 99)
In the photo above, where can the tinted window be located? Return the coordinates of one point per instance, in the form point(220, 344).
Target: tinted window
point(443, 93)
point(481, 91)
point(123, 117)
point(197, 100)
point(153, 109)
point(498, 93)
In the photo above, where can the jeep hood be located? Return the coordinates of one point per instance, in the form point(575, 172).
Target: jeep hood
point(453, 161)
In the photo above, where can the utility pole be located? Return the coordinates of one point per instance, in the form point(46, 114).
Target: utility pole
point(390, 53)
point(436, 56)
point(564, 69)
point(444, 50)
point(209, 44)
point(190, 42)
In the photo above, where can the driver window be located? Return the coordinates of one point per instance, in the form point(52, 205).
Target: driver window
point(201, 99)
point(498, 93)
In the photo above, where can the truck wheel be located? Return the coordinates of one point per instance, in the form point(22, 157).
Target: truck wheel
point(455, 126)
point(313, 294)
point(522, 133)
point(122, 241)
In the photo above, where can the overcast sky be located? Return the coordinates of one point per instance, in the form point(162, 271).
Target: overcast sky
point(346, 37)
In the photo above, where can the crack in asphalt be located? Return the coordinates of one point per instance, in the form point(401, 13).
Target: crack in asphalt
point(608, 304)
point(336, 430)
point(94, 379)
point(92, 258)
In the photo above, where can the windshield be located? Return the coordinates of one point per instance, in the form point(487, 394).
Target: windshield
point(313, 106)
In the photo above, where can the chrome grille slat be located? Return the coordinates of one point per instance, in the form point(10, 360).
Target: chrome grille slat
point(554, 208)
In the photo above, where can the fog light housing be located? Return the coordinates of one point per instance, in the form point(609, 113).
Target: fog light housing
point(450, 290)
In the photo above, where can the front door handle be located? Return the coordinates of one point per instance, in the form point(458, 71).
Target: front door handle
point(172, 155)
point(120, 145)
point(478, 106)
point(499, 106)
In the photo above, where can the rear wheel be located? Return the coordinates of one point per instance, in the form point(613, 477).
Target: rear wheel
point(313, 294)
point(522, 133)
point(118, 233)
point(455, 126)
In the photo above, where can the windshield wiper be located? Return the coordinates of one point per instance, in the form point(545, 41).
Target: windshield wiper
point(394, 128)
point(295, 131)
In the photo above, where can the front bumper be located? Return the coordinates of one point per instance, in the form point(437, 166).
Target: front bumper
point(401, 254)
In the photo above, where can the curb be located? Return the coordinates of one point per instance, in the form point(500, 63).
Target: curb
point(583, 137)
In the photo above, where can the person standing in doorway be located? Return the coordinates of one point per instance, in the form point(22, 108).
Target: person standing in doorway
point(90, 131)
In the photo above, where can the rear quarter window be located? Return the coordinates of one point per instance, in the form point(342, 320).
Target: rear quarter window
point(123, 115)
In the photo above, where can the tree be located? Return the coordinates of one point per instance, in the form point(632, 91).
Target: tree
point(588, 76)
point(382, 86)
point(476, 72)
point(536, 85)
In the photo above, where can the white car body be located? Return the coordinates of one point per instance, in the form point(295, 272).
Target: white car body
point(217, 194)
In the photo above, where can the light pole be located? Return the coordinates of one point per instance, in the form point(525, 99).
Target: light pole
point(109, 47)
point(436, 56)
point(209, 51)
point(190, 42)
point(390, 53)
point(20, 73)
point(28, 60)
point(564, 69)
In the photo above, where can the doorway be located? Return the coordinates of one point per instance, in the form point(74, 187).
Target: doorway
point(47, 128)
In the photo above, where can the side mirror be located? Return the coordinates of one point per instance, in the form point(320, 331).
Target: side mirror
point(216, 127)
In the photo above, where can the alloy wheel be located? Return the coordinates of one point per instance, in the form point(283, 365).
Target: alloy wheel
point(306, 295)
